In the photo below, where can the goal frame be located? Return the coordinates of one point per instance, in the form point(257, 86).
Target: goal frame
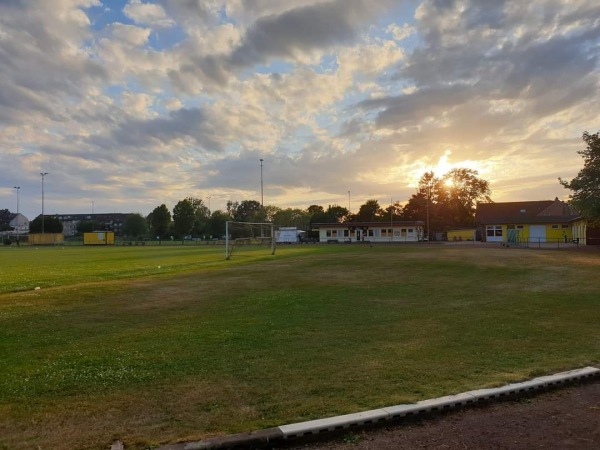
point(270, 226)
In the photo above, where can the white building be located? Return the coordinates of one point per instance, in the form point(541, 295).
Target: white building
point(382, 232)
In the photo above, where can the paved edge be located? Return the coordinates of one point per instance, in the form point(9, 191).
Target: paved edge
point(332, 424)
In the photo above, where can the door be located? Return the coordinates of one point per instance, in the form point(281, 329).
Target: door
point(537, 233)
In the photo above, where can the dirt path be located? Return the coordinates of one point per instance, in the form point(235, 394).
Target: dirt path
point(567, 418)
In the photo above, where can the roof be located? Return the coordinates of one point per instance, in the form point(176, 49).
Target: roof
point(544, 211)
point(397, 223)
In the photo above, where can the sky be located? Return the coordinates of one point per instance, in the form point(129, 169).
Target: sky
point(129, 104)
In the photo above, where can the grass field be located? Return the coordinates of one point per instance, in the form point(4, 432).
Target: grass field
point(154, 345)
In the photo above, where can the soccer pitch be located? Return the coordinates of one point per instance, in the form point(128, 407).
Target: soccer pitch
point(153, 345)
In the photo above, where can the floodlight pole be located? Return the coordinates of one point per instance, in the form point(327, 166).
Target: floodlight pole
point(43, 174)
point(17, 188)
point(428, 195)
point(348, 202)
point(261, 184)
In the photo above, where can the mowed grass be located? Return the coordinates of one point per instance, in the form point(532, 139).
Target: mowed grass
point(203, 347)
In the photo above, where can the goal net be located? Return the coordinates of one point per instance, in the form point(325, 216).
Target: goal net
point(240, 236)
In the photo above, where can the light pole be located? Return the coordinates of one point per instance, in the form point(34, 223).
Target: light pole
point(18, 188)
point(92, 207)
point(348, 202)
point(43, 174)
point(209, 206)
point(428, 195)
point(261, 184)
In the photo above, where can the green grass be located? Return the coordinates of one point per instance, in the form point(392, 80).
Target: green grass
point(114, 347)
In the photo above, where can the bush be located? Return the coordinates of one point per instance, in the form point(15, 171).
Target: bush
point(7, 241)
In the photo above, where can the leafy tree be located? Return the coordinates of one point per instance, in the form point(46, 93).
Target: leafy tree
point(314, 209)
point(160, 219)
point(586, 185)
point(333, 214)
point(392, 212)
point(5, 215)
point(86, 226)
point(51, 225)
point(292, 217)
point(201, 216)
point(369, 212)
point(135, 226)
point(184, 217)
point(462, 190)
point(216, 223)
point(449, 201)
point(248, 211)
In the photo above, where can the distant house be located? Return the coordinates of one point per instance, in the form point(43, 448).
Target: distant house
point(370, 231)
point(18, 223)
point(535, 221)
point(108, 222)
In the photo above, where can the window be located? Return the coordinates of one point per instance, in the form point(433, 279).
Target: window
point(564, 226)
point(384, 233)
point(396, 233)
point(411, 231)
point(493, 230)
point(555, 227)
point(519, 227)
point(346, 233)
point(370, 233)
point(331, 233)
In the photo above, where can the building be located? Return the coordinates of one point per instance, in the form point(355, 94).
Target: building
point(107, 222)
point(370, 231)
point(99, 238)
point(462, 234)
point(526, 222)
point(19, 224)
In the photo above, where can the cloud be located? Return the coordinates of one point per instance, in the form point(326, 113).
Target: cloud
point(289, 35)
point(147, 14)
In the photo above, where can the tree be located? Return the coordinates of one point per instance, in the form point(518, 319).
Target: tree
point(448, 202)
point(369, 212)
point(135, 226)
point(87, 226)
point(51, 225)
point(201, 216)
point(333, 214)
point(292, 217)
point(462, 189)
point(183, 217)
point(160, 219)
point(247, 211)
point(216, 223)
point(586, 185)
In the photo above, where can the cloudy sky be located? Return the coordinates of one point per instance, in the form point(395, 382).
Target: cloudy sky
point(127, 104)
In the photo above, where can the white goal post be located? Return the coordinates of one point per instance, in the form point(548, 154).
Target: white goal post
point(239, 234)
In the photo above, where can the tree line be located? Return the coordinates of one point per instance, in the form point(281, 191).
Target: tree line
point(447, 201)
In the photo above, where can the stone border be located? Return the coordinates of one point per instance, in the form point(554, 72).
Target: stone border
point(337, 423)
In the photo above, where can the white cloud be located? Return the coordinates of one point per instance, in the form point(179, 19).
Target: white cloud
point(147, 14)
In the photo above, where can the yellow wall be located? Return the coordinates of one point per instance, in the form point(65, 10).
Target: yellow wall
point(99, 238)
point(461, 235)
point(46, 238)
point(552, 234)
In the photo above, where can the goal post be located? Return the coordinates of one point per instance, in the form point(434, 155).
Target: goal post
point(242, 234)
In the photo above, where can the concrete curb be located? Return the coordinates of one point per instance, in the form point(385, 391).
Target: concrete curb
point(332, 424)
